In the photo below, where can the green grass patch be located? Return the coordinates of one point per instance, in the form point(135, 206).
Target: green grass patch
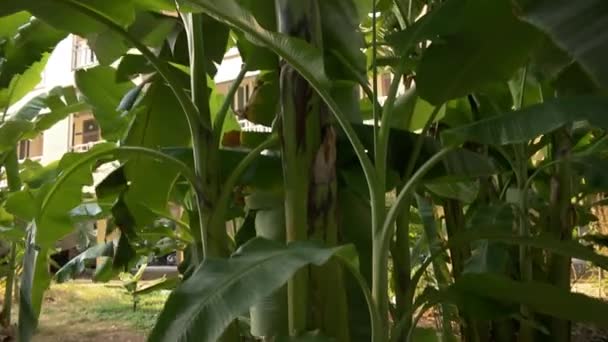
point(106, 303)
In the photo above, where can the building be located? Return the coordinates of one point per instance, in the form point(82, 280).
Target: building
point(80, 131)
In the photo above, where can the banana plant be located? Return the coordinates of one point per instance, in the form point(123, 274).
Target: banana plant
point(130, 283)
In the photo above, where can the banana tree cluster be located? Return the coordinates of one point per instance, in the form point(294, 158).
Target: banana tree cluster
point(457, 191)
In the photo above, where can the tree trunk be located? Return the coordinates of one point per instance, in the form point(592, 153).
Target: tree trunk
point(316, 295)
point(561, 223)
point(470, 329)
point(212, 240)
point(269, 317)
point(402, 268)
point(14, 183)
point(5, 315)
point(330, 313)
point(440, 267)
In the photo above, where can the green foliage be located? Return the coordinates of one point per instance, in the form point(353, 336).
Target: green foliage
point(255, 271)
point(568, 25)
point(26, 46)
point(153, 128)
point(528, 123)
point(543, 298)
point(100, 89)
point(472, 57)
point(77, 265)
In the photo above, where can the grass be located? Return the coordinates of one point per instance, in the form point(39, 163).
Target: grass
point(81, 311)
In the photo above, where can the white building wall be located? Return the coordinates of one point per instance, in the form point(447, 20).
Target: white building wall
point(230, 67)
point(58, 73)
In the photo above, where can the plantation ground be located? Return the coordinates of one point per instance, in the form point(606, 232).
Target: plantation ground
point(82, 311)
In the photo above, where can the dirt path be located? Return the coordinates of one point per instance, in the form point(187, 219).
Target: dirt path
point(87, 331)
point(70, 315)
point(82, 312)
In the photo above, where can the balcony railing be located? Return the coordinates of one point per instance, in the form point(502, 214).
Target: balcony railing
point(249, 126)
point(32, 158)
point(84, 147)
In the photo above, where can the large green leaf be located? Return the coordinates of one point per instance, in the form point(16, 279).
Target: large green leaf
point(306, 337)
point(460, 164)
point(10, 7)
point(23, 83)
point(341, 36)
point(27, 47)
point(55, 99)
point(411, 113)
point(151, 29)
point(132, 65)
point(488, 44)
point(441, 20)
point(295, 51)
point(107, 46)
point(12, 234)
point(11, 23)
point(100, 89)
point(264, 173)
point(570, 249)
point(28, 122)
point(75, 266)
point(57, 199)
point(158, 123)
point(220, 289)
point(55, 13)
point(163, 283)
point(12, 131)
point(216, 100)
point(55, 202)
point(35, 279)
point(538, 297)
point(215, 43)
point(156, 5)
point(528, 123)
point(60, 102)
point(489, 256)
point(22, 204)
point(258, 57)
point(463, 191)
point(263, 103)
point(578, 27)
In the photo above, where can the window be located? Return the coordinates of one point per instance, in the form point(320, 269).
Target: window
point(90, 131)
point(85, 132)
point(82, 55)
point(241, 98)
point(385, 84)
point(30, 148)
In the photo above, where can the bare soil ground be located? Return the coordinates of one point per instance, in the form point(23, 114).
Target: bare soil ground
point(82, 311)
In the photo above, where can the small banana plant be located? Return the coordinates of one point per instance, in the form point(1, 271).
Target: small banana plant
point(130, 283)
